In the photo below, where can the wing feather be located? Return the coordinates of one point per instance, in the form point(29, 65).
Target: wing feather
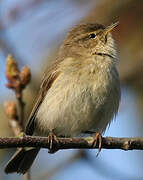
point(47, 82)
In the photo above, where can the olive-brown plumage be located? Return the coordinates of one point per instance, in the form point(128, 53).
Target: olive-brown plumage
point(80, 92)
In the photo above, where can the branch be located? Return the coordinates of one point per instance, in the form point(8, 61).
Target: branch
point(21, 109)
point(17, 81)
point(73, 143)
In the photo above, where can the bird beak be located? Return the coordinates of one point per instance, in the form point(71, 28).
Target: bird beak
point(110, 28)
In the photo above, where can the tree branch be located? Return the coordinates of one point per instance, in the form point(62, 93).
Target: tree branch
point(17, 81)
point(21, 110)
point(73, 143)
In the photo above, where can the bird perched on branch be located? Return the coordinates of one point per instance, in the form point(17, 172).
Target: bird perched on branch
point(80, 93)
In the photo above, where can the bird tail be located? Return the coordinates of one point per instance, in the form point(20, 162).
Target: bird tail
point(22, 160)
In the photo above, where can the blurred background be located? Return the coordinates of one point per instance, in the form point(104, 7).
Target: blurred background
point(32, 31)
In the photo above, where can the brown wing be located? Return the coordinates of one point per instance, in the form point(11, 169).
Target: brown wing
point(47, 82)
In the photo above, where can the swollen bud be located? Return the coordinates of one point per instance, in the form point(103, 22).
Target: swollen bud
point(10, 110)
point(12, 71)
point(25, 76)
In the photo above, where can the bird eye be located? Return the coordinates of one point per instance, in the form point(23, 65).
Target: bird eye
point(92, 35)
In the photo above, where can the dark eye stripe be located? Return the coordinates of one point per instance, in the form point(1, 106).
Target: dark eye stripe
point(92, 35)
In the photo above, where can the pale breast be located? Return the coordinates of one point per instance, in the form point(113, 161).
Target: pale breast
point(74, 106)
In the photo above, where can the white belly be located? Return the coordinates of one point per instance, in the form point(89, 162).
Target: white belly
point(70, 109)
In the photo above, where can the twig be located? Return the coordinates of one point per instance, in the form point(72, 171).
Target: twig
point(17, 80)
point(21, 109)
point(19, 96)
point(73, 143)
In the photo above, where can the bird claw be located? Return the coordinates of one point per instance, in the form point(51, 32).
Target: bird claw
point(97, 138)
point(52, 137)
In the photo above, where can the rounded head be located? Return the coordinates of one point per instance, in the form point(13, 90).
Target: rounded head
point(89, 39)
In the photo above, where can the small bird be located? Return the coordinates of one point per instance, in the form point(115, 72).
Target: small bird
point(79, 93)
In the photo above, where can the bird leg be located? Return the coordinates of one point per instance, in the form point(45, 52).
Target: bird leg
point(97, 138)
point(52, 137)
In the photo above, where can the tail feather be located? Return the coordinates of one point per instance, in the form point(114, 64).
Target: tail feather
point(22, 160)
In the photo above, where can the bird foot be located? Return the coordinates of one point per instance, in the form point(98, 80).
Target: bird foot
point(97, 138)
point(52, 137)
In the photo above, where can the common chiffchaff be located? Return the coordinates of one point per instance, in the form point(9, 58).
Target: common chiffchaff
point(79, 93)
